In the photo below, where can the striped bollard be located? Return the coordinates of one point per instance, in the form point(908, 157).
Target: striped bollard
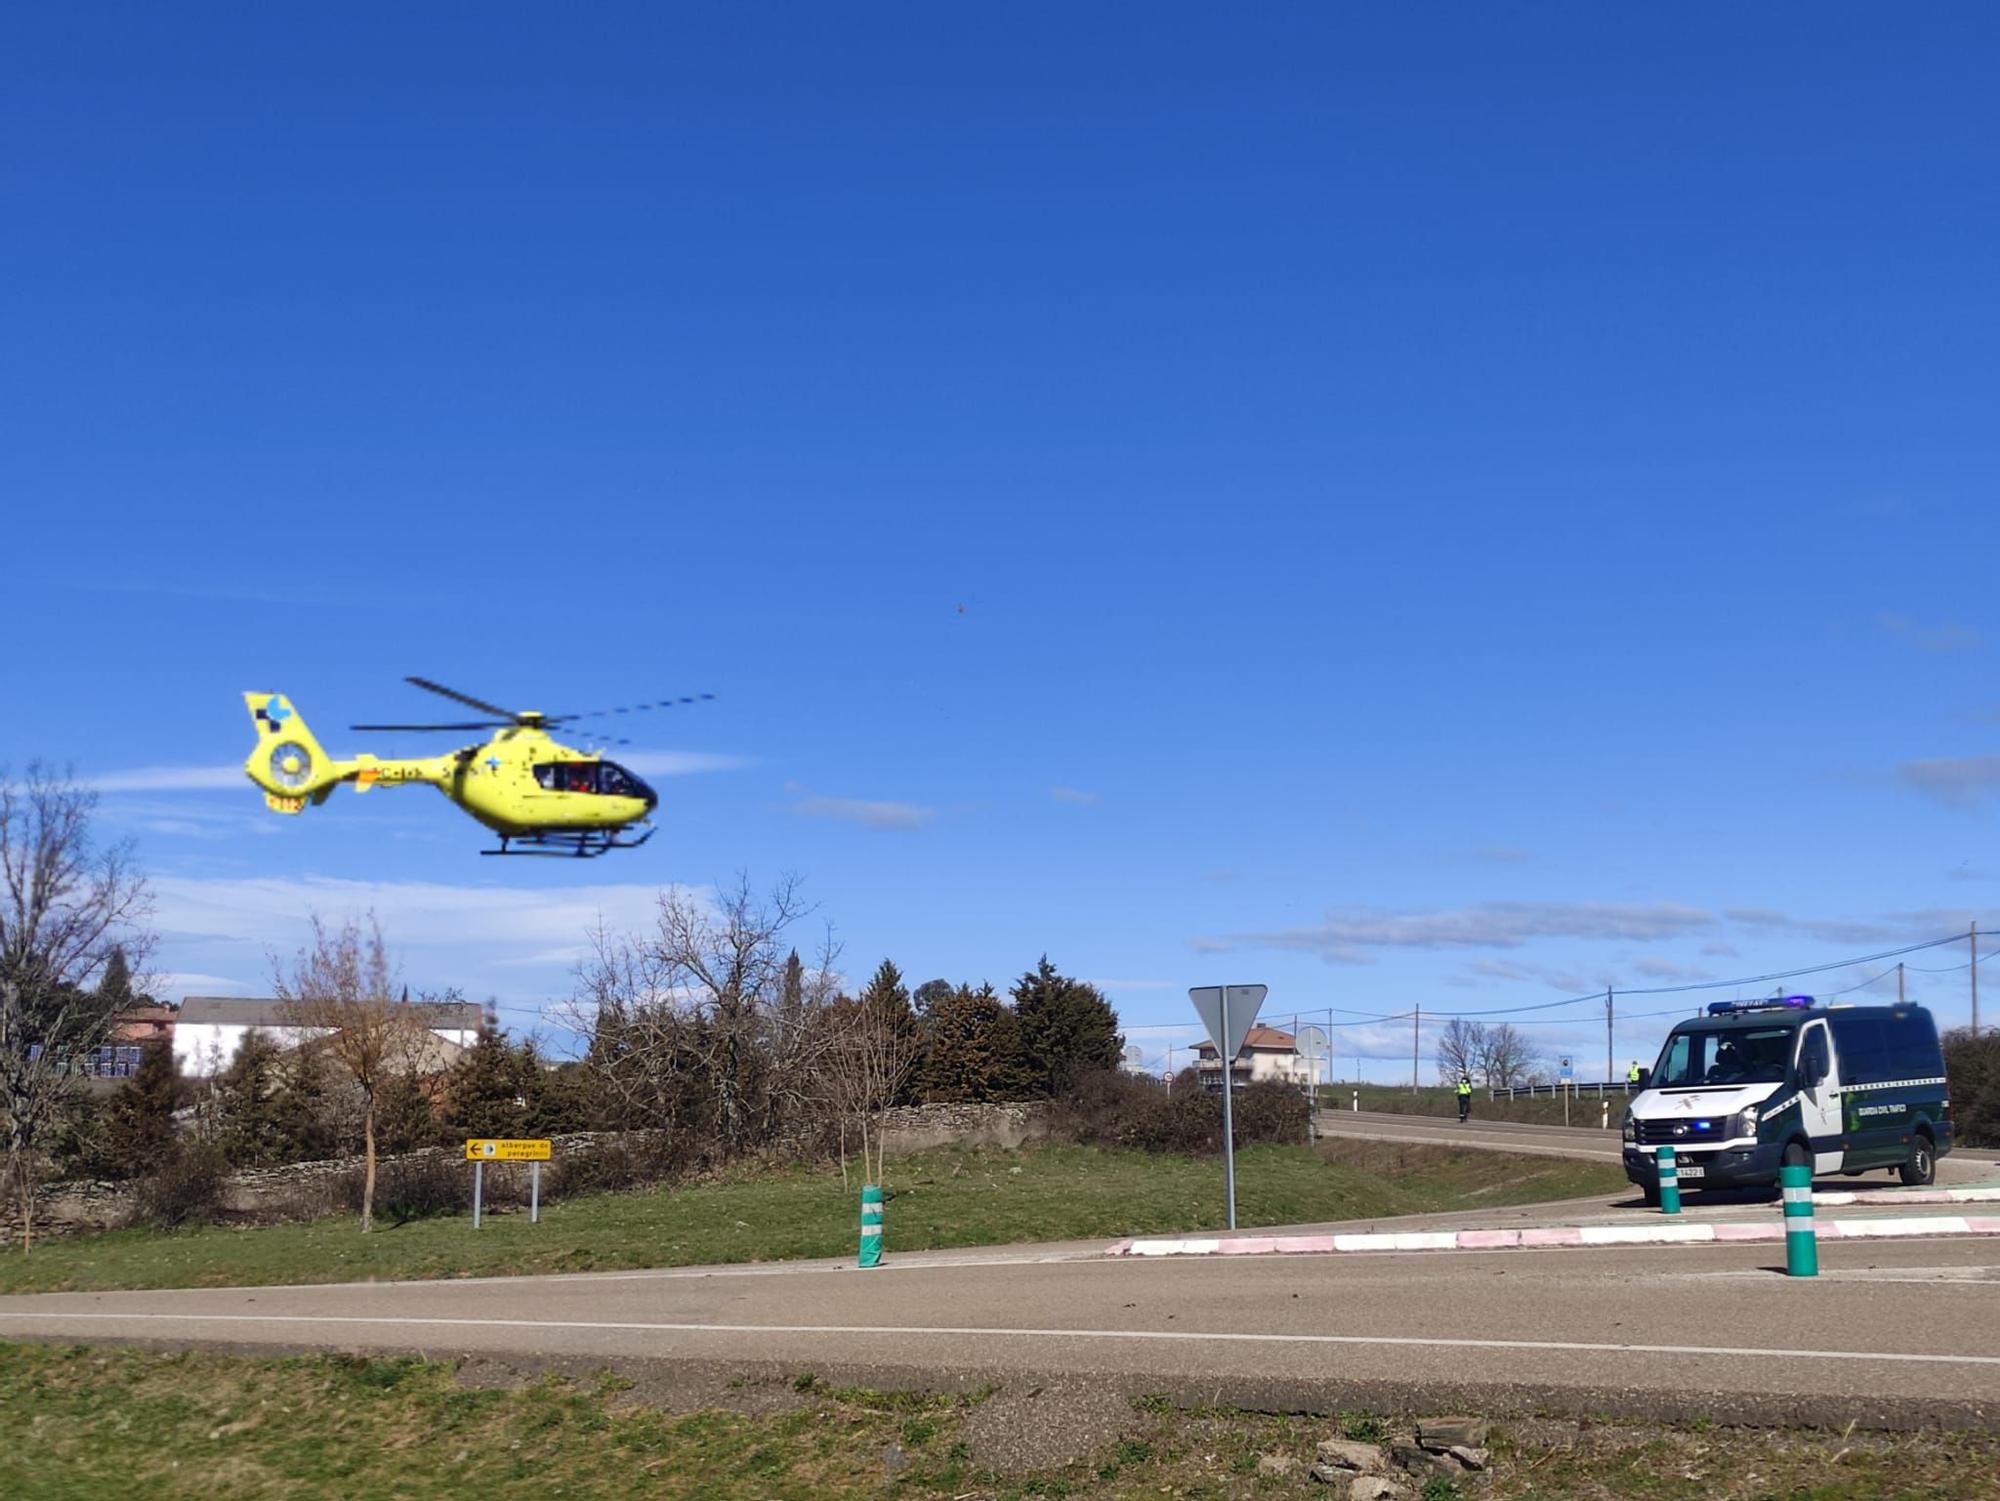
point(871, 1225)
point(1670, 1183)
point(1801, 1244)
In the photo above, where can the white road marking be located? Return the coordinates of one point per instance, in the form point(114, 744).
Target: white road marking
point(903, 1331)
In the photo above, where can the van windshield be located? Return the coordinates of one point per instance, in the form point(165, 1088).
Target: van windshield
point(1695, 1058)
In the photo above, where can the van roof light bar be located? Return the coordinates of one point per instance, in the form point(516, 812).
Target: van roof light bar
point(1774, 1003)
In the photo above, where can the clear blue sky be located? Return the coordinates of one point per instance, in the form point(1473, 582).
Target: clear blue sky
point(1443, 504)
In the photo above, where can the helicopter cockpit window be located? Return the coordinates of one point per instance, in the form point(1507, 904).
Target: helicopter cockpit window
point(614, 780)
point(567, 776)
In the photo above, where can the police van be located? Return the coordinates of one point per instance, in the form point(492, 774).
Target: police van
point(1754, 1085)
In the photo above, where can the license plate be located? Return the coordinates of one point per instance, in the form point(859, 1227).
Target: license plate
point(1689, 1172)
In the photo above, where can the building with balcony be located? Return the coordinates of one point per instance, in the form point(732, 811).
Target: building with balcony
point(1267, 1055)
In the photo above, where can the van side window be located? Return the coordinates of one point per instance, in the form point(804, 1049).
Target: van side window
point(1675, 1065)
point(1859, 1039)
point(1812, 1055)
point(1909, 1047)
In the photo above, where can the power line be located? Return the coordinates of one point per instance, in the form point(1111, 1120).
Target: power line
point(1596, 997)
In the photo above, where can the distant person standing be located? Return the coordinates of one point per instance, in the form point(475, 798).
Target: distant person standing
point(1464, 1096)
point(1632, 1076)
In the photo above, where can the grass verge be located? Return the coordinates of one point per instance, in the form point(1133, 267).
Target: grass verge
point(939, 1200)
point(91, 1422)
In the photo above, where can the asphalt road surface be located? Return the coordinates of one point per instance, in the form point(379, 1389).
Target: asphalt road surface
point(1590, 1141)
point(1891, 1332)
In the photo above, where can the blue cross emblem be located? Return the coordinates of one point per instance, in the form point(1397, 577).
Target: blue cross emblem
point(492, 763)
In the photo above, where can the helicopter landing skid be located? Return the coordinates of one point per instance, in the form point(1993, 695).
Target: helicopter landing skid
point(573, 844)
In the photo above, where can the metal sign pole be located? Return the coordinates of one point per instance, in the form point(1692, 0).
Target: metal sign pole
point(478, 1186)
point(1228, 1119)
point(534, 1193)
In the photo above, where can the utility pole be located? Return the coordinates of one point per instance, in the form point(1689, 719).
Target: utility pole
point(1610, 1049)
point(1416, 1028)
point(1899, 982)
point(1974, 936)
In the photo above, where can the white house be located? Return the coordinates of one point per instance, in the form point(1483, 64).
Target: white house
point(1267, 1054)
point(210, 1028)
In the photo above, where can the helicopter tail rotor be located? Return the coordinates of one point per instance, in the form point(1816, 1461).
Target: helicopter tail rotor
point(288, 761)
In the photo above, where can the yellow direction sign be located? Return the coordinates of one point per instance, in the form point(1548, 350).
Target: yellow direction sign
point(488, 1149)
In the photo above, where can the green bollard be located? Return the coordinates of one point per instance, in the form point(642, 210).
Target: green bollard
point(1670, 1183)
point(871, 1225)
point(1801, 1244)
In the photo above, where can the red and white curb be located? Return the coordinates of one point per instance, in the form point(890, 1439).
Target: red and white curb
point(1984, 1193)
point(1552, 1238)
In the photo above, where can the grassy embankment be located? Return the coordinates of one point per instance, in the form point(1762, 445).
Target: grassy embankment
point(1543, 1110)
point(938, 1201)
point(195, 1426)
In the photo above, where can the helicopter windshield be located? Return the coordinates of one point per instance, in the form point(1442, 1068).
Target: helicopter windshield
point(601, 778)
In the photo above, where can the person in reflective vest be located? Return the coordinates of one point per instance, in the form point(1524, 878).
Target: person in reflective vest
point(1464, 1096)
point(1632, 1075)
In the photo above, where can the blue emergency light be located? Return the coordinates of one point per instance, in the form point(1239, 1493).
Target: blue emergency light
point(1775, 1003)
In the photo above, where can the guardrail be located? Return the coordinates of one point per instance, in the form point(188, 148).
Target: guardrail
point(1555, 1091)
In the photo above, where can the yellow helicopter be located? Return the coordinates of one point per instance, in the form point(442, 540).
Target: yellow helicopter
point(540, 796)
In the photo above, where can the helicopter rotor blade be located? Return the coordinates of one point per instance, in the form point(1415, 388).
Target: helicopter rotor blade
point(465, 698)
point(482, 724)
point(663, 703)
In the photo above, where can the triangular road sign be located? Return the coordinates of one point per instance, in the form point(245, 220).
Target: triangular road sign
point(1243, 1003)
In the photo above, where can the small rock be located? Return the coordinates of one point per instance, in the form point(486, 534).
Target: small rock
point(894, 1460)
point(1471, 1458)
point(1376, 1488)
point(1422, 1462)
point(1276, 1464)
point(1444, 1433)
point(1345, 1454)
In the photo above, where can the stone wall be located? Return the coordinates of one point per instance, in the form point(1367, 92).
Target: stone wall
point(920, 1128)
point(303, 1189)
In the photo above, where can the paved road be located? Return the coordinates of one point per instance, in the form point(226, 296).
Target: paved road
point(1588, 1142)
point(1893, 1330)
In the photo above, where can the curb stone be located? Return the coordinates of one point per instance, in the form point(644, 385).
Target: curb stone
point(1553, 1238)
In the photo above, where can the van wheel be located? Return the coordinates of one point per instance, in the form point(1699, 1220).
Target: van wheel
point(1796, 1154)
point(1921, 1168)
point(1650, 1192)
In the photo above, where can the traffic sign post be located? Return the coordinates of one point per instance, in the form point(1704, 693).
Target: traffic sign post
point(480, 1150)
point(1227, 1011)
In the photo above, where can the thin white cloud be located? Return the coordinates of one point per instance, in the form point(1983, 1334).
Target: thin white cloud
point(1073, 795)
point(1956, 781)
point(171, 779)
point(495, 923)
point(1347, 933)
point(1945, 637)
point(1656, 968)
point(174, 984)
point(891, 817)
point(679, 763)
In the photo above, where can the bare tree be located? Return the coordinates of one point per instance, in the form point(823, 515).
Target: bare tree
point(1461, 1049)
point(869, 1058)
point(66, 907)
point(340, 992)
point(706, 1021)
point(1506, 1058)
